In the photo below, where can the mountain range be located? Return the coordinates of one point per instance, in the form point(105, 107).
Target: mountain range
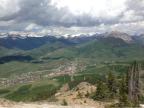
point(33, 40)
point(101, 46)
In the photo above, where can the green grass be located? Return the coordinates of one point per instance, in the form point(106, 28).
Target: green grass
point(33, 92)
point(4, 91)
point(11, 68)
point(17, 68)
point(103, 69)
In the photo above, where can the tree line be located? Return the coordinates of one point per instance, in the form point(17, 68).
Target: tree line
point(125, 89)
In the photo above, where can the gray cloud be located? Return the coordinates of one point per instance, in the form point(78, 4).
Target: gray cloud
point(42, 13)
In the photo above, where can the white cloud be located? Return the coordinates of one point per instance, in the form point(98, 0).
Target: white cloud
point(32, 27)
point(8, 7)
point(97, 8)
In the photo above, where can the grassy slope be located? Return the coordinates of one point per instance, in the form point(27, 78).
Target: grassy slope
point(32, 92)
point(100, 51)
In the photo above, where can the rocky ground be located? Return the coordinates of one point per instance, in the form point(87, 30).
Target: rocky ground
point(9, 104)
point(79, 95)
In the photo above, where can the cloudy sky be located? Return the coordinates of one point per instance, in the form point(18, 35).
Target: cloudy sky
point(72, 16)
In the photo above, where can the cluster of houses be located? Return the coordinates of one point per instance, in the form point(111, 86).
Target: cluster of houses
point(68, 69)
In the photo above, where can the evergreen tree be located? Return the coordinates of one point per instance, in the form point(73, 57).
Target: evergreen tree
point(123, 92)
point(112, 84)
point(101, 91)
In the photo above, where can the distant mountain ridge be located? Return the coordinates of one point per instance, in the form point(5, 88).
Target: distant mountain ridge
point(124, 36)
point(29, 41)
